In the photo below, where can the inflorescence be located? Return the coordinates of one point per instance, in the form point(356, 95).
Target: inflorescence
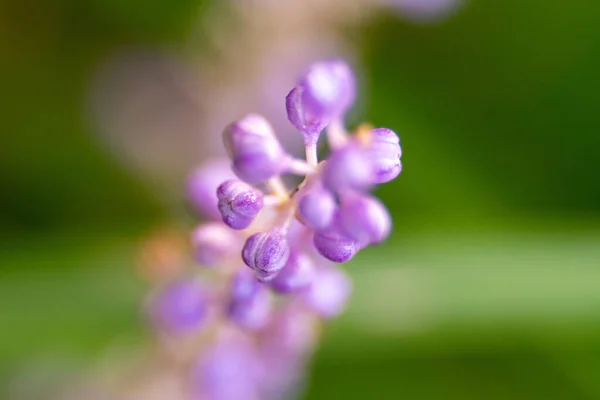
point(268, 253)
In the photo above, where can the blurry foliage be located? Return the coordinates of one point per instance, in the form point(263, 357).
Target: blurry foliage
point(54, 172)
point(495, 108)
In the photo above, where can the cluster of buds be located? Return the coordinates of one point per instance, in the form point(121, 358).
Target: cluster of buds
point(269, 253)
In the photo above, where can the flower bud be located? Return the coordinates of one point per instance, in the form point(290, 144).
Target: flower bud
point(297, 274)
point(202, 184)
point(254, 149)
point(349, 168)
point(364, 219)
point(213, 243)
point(324, 93)
point(239, 203)
point(328, 292)
point(335, 246)
point(180, 307)
point(267, 251)
point(385, 152)
point(316, 208)
point(250, 305)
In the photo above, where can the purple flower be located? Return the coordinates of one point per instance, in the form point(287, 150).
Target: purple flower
point(284, 344)
point(260, 347)
point(249, 305)
point(364, 219)
point(267, 252)
point(290, 330)
point(334, 245)
point(227, 370)
point(202, 184)
point(385, 153)
point(181, 307)
point(317, 207)
point(323, 94)
point(297, 274)
point(238, 203)
point(349, 168)
point(213, 243)
point(255, 151)
point(328, 292)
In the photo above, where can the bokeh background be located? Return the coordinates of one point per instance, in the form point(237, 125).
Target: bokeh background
point(489, 287)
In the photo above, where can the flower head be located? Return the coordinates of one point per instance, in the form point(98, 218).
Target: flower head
point(290, 238)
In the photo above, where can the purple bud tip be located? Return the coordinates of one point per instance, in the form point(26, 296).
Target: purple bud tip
point(350, 167)
point(181, 307)
point(213, 243)
point(385, 152)
point(239, 203)
point(364, 219)
point(202, 184)
point(296, 275)
point(254, 149)
point(324, 93)
point(334, 245)
point(316, 208)
point(329, 292)
point(250, 305)
point(267, 251)
point(266, 276)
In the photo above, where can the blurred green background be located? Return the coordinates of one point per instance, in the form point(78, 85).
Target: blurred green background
point(490, 285)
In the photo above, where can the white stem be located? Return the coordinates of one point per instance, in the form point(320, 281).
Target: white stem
point(301, 167)
point(311, 154)
point(272, 200)
point(277, 187)
point(336, 134)
point(290, 217)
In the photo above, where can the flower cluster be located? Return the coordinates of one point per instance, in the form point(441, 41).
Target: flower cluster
point(269, 253)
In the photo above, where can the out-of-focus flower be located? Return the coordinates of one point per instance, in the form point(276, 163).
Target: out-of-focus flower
point(180, 307)
point(213, 243)
point(249, 304)
point(254, 346)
